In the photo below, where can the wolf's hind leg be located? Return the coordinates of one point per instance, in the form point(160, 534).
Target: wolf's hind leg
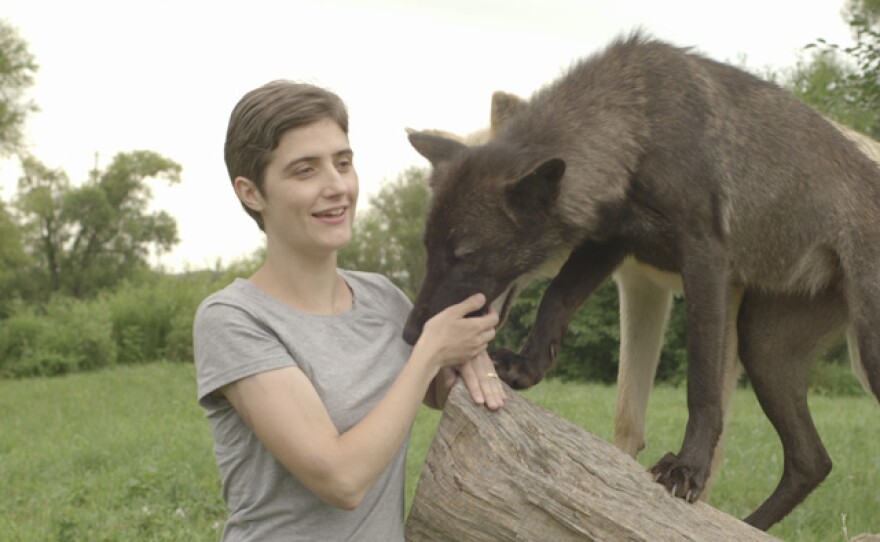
point(778, 336)
point(644, 314)
point(864, 336)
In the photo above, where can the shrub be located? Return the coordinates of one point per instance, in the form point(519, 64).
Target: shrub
point(141, 319)
point(67, 336)
point(590, 348)
point(135, 323)
point(832, 374)
point(152, 319)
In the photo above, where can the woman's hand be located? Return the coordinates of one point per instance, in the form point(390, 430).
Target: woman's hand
point(451, 338)
point(480, 379)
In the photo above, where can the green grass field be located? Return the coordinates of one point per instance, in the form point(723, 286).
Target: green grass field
point(125, 454)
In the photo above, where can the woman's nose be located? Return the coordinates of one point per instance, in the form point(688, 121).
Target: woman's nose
point(335, 184)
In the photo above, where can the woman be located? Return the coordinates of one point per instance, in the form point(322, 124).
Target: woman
point(307, 384)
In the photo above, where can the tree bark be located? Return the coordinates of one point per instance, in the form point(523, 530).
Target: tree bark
point(523, 473)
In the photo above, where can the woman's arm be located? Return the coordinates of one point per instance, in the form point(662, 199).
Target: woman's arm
point(284, 410)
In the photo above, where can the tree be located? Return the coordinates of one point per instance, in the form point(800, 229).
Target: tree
point(40, 201)
point(822, 84)
point(91, 237)
point(17, 68)
point(387, 237)
point(844, 82)
point(13, 260)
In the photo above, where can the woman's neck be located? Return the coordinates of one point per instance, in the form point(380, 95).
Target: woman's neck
point(307, 284)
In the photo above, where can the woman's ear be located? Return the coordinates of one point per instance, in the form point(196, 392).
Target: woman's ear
point(248, 193)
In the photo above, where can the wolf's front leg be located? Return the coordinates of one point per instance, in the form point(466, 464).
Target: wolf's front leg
point(586, 268)
point(705, 276)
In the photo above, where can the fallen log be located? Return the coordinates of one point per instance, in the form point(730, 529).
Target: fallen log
point(525, 474)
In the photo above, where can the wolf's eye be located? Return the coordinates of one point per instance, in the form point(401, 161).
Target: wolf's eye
point(462, 253)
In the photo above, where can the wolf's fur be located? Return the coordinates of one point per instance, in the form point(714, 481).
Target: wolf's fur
point(648, 153)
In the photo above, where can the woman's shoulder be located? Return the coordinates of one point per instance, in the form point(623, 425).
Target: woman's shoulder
point(367, 279)
point(231, 293)
point(375, 288)
point(235, 297)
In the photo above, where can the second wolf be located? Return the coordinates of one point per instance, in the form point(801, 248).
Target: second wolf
point(694, 168)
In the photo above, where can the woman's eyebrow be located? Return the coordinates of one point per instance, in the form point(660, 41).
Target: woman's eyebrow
point(310, 158)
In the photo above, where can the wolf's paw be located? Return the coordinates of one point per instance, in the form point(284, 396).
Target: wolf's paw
point(517, 370)
point(681, 480)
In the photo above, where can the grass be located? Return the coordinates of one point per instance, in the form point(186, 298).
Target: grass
point(125, 454)
point(120, 454)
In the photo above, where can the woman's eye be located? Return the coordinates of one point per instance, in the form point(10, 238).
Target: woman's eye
point(303, 171)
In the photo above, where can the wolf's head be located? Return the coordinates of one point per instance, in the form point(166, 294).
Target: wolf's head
point(491, 224)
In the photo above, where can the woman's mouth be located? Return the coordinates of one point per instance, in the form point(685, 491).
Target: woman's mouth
point(331, 215)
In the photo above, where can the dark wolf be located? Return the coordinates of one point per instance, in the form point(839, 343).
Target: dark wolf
point(650, 153)
point(645, 303)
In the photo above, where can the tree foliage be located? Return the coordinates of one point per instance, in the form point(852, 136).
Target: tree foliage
point(90, 237)
point(844, 82)
point(387, 237)
point(13, 261)
point(17, 69)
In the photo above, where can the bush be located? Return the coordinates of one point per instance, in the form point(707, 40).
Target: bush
point(153, 318)
point(68, 336)
point(832, 374)
point(590, 348)
point(141, 318)
point(138, 322)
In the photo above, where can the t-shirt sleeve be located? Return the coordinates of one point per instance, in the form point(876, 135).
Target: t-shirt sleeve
point(400, 304)
point(230, 344)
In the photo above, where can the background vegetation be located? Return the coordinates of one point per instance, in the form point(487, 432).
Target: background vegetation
point(124, 454)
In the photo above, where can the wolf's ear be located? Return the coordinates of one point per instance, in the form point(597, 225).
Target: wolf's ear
point(537, 191)
point(435, 148)
point(504, 106)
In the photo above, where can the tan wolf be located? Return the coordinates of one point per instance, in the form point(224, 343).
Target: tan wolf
point(649, 154)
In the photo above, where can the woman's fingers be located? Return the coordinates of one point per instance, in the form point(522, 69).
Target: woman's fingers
point(491, 387)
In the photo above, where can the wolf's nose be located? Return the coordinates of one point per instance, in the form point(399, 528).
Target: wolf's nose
point(411, 333)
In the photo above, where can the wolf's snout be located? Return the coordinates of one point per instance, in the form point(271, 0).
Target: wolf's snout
point(411, 334)
point(412, 330)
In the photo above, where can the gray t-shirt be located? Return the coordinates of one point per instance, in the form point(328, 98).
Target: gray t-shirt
point(351, 358)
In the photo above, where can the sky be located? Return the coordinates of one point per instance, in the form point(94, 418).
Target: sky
point(118, 76)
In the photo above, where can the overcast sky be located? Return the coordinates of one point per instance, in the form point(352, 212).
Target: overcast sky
point(117, 76)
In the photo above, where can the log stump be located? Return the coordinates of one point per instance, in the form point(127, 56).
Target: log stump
point(525, 474)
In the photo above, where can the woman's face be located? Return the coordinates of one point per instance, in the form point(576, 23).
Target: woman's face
point(310, 190)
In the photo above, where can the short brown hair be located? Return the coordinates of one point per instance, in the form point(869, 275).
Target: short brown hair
point(263, 115)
